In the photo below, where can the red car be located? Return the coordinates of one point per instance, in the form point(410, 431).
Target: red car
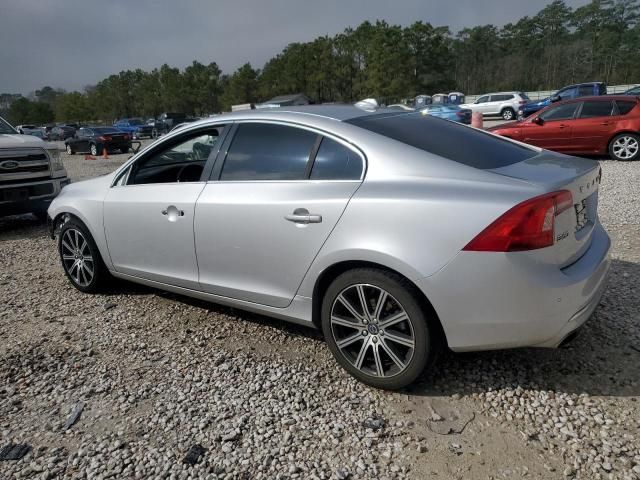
point(587, 125)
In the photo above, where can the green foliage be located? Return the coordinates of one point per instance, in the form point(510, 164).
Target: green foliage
point(24, 111)
point(555, 47)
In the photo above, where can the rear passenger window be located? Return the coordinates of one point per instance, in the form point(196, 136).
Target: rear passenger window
point(625, 107)
point(596, 109)
point(262, 151)
point(336, 162)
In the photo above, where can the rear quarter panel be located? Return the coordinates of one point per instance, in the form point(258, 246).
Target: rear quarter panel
point(414, 212)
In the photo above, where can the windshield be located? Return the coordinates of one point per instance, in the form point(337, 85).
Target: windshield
point(5, 127)
point(449, 140)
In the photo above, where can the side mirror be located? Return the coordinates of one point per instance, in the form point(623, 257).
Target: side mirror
point(537, 121)
point(555, 98)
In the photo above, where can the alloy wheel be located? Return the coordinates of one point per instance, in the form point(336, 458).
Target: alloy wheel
point(69, 150)
point(372, 330)
point(507, 114)
point(76, 257)
point(625, 147)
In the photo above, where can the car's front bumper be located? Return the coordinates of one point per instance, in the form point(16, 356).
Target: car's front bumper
point(495, 300)
point(30, 196)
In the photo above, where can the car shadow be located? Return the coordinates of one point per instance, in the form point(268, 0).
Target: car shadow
point(17, 227)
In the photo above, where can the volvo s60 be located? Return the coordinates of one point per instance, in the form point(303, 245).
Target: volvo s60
point(395, 233)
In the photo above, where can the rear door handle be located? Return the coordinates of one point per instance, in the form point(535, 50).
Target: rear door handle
point(173, 210)
point(302, 215)
point(604, 123)
point(562, 125)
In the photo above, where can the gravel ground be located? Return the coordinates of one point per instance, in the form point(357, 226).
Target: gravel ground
point(158, 376)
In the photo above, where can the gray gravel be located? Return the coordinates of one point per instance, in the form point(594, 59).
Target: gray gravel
point(159, 374)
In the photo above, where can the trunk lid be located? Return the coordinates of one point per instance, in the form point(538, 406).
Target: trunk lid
point(573, 227)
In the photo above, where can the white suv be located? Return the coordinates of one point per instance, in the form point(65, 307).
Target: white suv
point(503, 104)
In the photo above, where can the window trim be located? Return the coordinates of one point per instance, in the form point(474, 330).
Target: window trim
point(170, 140)
point(224, 151)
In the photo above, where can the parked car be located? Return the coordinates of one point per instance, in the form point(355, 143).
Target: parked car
point(23, 129)
point(633, 91)
point(31, 173)
point(400, 249)
point(37, 132)
point(499, 104)
point(61, 132)
point(590, 126)
point(449, 112)
point(566, 93)
point(95, 139)
point(134, 127)
point(166, 122)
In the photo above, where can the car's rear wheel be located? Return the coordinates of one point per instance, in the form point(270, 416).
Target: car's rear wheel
point(508, 114)
point(625, 147)
point(69, 150)
point(94, 149)
point(81, 258)
point(376, 328)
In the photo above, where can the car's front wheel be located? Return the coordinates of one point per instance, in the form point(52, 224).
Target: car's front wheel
point(81, 258)
point(625, 147)
point(94, 149)
point(376, 328)
point(508, 114)
point(69, 150)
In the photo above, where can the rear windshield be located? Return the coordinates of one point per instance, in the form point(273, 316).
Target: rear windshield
point(524, 96)
point(449, 140)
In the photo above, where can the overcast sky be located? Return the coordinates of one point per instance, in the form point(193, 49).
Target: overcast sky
point(73, 43)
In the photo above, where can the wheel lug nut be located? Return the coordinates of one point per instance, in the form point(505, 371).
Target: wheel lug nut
point(381, 332)
point(365, 321)
point(364, 333)
point(375, 339)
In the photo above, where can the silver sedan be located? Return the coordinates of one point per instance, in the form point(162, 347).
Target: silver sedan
point(396, 233)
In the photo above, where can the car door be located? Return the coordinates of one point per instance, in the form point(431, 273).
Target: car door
point(480, 104)
point(493, 106)
point(593, 126)
point(149, 212)
point(81, 140)
point(273, 201)
point(554, 132)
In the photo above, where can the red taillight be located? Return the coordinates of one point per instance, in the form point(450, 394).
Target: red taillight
point(527, 226)
point(522, 102)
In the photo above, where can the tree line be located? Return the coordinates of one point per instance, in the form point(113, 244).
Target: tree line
point(557, 46)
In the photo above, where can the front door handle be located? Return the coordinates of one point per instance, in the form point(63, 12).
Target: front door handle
point(172, 212)
point(302, 215)
point(605, 123)
point(562, 125)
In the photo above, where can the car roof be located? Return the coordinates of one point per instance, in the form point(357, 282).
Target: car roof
point(340, 112)
point(598, 98)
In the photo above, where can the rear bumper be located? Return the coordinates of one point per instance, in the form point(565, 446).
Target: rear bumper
point(19, 198)
point(494, 300)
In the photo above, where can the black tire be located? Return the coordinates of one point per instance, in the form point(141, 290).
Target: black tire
point(94, 150)
point(124, 149)
point(400, 291)
point(100, 277)
point(616, 154)
point(69, 149)
point(508, 114)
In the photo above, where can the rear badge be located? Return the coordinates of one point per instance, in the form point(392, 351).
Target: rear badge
point(562, 236)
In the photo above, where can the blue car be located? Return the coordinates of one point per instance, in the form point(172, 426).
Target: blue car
point(135, 127)
point(449, 112)
point(565, 93)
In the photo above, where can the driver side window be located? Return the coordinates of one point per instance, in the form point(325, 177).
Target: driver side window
point(181, 161)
